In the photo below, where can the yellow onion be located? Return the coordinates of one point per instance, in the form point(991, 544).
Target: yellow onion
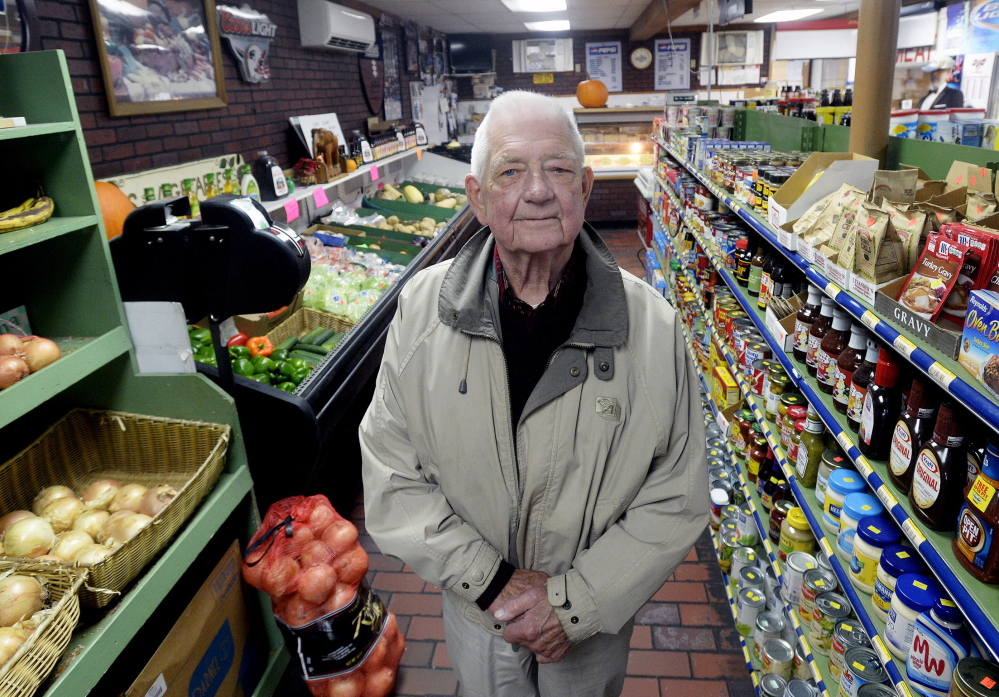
point(103, 534)
point(12, 517)
point(20, 597)
point(92, 554)
point(125, 528)
point(69, 543)
point(48, 495)
point(98, 494)
point(90, 522)
point(11, 639)
point(157, 499)
point(10, 345)
point(40, 352)
point(62, 512)
point(29, 537)
point(128, 498)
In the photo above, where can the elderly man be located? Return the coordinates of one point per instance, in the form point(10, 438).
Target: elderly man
point(535, 443)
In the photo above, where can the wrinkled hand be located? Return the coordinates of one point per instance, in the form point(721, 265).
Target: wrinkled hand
point(521, 581)
point(533, 624)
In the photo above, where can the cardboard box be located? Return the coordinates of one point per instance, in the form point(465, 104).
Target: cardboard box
point(947, 342)
point(782, 327)
point(786, 236)
point(790, 201)
point(979, 352)
point(261, 323)
point(724, 388)
point(206, 652)
point(866, 289)
point(837, 274)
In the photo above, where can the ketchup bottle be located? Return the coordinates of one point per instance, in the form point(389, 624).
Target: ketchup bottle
point(833, 343)
point(880, 408)
point(858, 386)
point(806, 316)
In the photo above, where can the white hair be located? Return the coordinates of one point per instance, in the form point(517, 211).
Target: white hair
point(525, 105)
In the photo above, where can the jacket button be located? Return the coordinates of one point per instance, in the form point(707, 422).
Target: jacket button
point(477, 576)
point(604, 366)
point(567, 605)
point(465, 586)
point(454, 316)
point(574, 620)
point(497, 627)
point(574, 372)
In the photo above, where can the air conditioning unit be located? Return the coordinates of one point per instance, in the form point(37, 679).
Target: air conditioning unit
point(327, 25)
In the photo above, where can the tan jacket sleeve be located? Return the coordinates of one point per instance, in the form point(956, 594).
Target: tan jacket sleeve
point(610, 581)
point(407, 515)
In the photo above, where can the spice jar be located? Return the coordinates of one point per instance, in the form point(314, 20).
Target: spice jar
point(855, 506)
point(848, 634)
point(914, 593)
point(895, 561)
point(874, 533)
point(776, 386)
point(795, 535)
point(841, 483)
point(831, 460)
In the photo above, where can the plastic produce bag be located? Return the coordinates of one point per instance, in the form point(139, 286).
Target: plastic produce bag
point(306, 557)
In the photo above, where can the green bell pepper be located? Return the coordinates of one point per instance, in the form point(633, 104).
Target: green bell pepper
point(207, 360)
point(239, 351)
point(299, 375)
point(279, 355)
point(293, 364)
point(287, 386)
point(201, 336)
point(266, 379)
point(243, 366)
point(262, 364)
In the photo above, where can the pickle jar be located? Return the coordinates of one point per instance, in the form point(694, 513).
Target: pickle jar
point(787, 400)
point(777, 385)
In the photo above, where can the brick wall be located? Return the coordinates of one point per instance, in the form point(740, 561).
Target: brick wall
point(613, 200)
point(256, 118)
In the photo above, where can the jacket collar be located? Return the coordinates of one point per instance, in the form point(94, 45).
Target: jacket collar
point(469, 294)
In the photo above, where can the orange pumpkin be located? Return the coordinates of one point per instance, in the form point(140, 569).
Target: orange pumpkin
point(115, 207)
point(592, 93)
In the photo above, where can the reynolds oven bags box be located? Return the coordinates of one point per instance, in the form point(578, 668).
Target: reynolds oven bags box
point(980, 340)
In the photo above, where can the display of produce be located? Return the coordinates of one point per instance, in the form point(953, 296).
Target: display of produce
point(33, 211)
point(309, 561)
point(21, 355)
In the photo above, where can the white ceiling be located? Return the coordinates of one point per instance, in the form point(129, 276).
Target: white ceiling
point(493, 17)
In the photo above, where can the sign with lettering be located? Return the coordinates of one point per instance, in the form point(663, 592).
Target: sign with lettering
point(544, 78)
point(603, 62)
point(249, 34)
point(672, 64)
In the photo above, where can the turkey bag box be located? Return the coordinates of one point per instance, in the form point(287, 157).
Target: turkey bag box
point(210, 647)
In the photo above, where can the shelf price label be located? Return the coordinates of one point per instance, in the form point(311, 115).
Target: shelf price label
point(863, 466)
point(903, 689)
point(824, 544)
point(912, 532)
point(844, 441)
point(941, 374)
point(869, 319)
point(886, 497)
point(880, 649)
point(832, 290)
point(903, 346)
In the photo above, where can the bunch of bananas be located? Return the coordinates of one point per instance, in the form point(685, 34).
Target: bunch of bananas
point(34, 211)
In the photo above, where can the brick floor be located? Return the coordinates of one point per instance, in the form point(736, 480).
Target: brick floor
point(684, 642)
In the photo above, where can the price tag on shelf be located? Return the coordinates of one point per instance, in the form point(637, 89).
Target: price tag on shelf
point(941, 374)
point(824, 544)
point(832, 290)
point(844, 441)
point(903, 346)
point(887, 498)
point(804, 641)
point(291, 210)
point(319, 196)
point(419, 154)
point(374, 173)
point(902, 689)
point(912, 532)
point(864, 467)
point(880, 649)
point(869, 319)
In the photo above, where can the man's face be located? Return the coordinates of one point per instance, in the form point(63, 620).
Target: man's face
point(938, 78)
point(534, 191)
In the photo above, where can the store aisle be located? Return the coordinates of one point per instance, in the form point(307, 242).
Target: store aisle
point(684, 641)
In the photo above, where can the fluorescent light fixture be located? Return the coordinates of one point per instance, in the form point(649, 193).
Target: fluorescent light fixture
point(535, 5)
point(551, 25)
point(787, 15)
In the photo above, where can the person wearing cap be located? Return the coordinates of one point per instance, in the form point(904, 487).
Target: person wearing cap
point(941, 95)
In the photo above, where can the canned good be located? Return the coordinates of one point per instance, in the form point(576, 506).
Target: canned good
point(777, 658)
point(799, 688)
point(758, 350)
point(802, 670)
point(790, 635)
point(749, 604)
point(741, 558)
point(752, 577)
point(873, 689)
point(716, 443)
point(772, 685)
point(830, 609)
point(749, 533)
point(730, 524)
point(814, 581)
point(861, 666)
point(729, 543)
point(758, 373)
point(847, 635)
point(730, 511)
point(794, 572)
point(772, 586)
point(822, 562)
point(769, 625)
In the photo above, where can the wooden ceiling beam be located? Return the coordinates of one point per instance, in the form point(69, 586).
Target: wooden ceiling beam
point(654, 19)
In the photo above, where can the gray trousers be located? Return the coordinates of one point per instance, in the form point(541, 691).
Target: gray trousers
point(487, 666)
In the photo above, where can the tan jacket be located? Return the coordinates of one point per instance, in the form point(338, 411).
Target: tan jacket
point(606, 487)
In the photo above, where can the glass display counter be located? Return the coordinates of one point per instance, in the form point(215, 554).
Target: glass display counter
point(616, 139)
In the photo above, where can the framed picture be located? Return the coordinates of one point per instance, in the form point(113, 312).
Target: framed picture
point(159, 55)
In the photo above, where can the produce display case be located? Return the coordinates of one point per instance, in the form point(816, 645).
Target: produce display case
point(616, 140)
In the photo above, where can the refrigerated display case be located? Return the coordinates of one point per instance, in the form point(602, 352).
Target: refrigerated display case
point(616, 139)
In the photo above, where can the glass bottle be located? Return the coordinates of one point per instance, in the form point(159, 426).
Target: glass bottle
point(766, 279)
point(810, 449)
point(880, 408)
point(743, 262)
point(976, 545)
point(832, 345)
point(768, 468)
point(757, 456)
point(858, 386)
point(975, 443)
point(905, 376)
point(817, 333)
point(847, 363)
point(772, 491)
point(913, 429)
point(756, 270)
point(940, 473)
point(781, 278)
point(808, 313)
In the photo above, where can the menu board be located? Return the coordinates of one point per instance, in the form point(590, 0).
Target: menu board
point(603, 62)
point(672, 64)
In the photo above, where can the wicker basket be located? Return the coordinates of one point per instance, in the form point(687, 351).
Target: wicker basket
point(24, 672)
point(89, 444)
point(306, 319)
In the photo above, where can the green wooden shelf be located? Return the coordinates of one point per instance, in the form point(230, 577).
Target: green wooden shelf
point(38, 129)
point(53, 227)
point(82, 356)
point(93, 649)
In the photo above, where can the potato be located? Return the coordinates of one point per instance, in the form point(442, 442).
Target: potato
point(392, 219)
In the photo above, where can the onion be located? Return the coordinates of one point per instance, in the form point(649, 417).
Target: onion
point(40, 352)
point(48, 495)
point(98, 495)
point(12, 518)
point(92, 554)
point(104, 533)
point(62, 513)
point(123, 529)
point(315, 553)
point(320, 517)
point(279, 576)
point(352, 566)
point(157, 499)
point(346, 685)
point(12, 369)
point(299, 612)
point(20, 598)
point(316, 584)
point(10, 345)
point(69, 543)
point(340, 536)
point(129, 497)
point(90, 522)
point(10, 639)
point(29, 537)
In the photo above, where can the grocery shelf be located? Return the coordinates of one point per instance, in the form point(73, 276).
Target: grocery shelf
point(941, 369)
point(37, 129)
point(53, 227)
point(81, 357)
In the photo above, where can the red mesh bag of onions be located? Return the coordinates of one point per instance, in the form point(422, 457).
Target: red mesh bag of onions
point(308, 560)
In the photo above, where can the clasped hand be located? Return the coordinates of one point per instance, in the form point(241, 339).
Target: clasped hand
point(531, 620)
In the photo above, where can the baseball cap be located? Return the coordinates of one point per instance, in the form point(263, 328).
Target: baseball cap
point(939, 63)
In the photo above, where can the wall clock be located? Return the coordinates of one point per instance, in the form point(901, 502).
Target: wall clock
point(641, 58)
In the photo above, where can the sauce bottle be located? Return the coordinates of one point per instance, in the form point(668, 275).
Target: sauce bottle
point(832, 345)
point(849, 360)
point(858, 386)
point(808, 313)
point(940, 473)
point(269, 177)
point(976, 442)
point(817, 333)
point(880, 408)
point(810, 449)
point(766, 279)
point(913, 429)
point(768, 468)
point(757, 458)
point(756, 270)
point(781, 279)
point(975, 545)
point(743, 262)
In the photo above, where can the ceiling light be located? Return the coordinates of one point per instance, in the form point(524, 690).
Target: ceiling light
point(551, 25)
point(787, 15)
point(535, 5)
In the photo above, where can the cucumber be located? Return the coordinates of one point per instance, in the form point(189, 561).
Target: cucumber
point(287, 343)
point(311, 358)
point(310, 335)
point(312, 348)
point(323, 337)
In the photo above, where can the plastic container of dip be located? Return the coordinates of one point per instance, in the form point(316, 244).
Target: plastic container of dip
point(895, 561)
point(903, 123)
point(841, 483)
point(914, 593)
point(874, 533)
point(855, 506)
point(926, 127)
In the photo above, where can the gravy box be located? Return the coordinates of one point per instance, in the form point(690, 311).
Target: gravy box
point(980, 340)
